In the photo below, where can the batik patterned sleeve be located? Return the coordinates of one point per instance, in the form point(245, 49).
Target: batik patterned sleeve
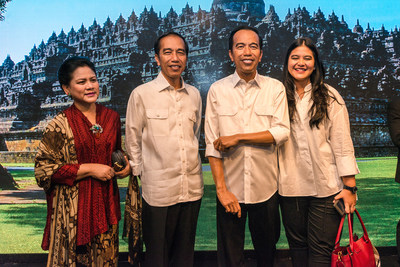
point(56, 161)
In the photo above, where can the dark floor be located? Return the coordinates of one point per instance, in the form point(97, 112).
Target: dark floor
point(202, 259)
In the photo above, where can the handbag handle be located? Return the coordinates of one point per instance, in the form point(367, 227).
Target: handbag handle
point(339, 234)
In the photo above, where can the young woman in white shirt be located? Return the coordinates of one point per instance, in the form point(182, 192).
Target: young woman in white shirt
point(317, 164)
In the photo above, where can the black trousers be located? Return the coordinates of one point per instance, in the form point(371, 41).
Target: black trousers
point(264, 225)
point(169, 234)
point(311, 226)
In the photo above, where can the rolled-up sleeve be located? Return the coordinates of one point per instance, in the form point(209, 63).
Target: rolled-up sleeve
point(280, 126)
point(341, 142)
point(211, 127)
point(135, 120)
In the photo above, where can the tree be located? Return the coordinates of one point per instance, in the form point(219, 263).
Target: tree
point(3, 8)
point(6, 180)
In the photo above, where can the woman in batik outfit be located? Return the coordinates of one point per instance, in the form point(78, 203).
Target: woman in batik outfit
point(73, 165)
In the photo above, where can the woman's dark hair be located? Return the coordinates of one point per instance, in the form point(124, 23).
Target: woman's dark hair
point(319, 92)
point(70, 65)
point(157, 43)
point(245, 27)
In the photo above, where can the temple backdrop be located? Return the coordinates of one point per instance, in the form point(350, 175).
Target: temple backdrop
point(362, 60)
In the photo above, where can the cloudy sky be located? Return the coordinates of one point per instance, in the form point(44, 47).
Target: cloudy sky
point(29, 22)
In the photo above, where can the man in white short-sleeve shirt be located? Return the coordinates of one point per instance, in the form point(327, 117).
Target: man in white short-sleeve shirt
point(162, 130)
point(246, 119)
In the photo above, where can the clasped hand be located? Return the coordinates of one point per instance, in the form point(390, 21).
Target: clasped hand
point(104, 172)
point(223, 143)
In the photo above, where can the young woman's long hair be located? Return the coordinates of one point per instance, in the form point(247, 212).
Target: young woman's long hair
point(319, 92)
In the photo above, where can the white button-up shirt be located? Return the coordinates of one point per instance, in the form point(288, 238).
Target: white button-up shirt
point(233, 107)
point(313, 160)
point(162, 132)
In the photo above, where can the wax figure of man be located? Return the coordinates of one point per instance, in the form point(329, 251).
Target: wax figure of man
point(246, 120)
point(394, 129)
point(162, 130)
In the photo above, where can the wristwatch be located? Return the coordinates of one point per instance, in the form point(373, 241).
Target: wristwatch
point(352, 189)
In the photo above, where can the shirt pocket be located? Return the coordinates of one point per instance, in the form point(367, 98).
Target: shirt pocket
point(229, 123)
point(227, 111)
point(189, 125)
point(158, 120)
point(192, 117)
point(264, 116)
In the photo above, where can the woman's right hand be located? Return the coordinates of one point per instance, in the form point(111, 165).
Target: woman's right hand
point(97, 171)
point(103, 172)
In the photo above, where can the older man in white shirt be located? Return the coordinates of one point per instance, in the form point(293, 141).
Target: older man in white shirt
point(246, 119)
point(162, 131)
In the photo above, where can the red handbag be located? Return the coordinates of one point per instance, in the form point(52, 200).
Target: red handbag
point(359, 252)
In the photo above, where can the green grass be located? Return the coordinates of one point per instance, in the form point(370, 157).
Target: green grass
point(29, 164)
point(377, 167)
point(378, 204)
point(22, 227)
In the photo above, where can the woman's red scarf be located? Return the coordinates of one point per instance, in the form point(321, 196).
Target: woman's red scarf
point(98, 202)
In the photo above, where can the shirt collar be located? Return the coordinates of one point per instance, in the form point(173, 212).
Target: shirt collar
point(307, 90)
point(163, 84)
point(236, 79)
